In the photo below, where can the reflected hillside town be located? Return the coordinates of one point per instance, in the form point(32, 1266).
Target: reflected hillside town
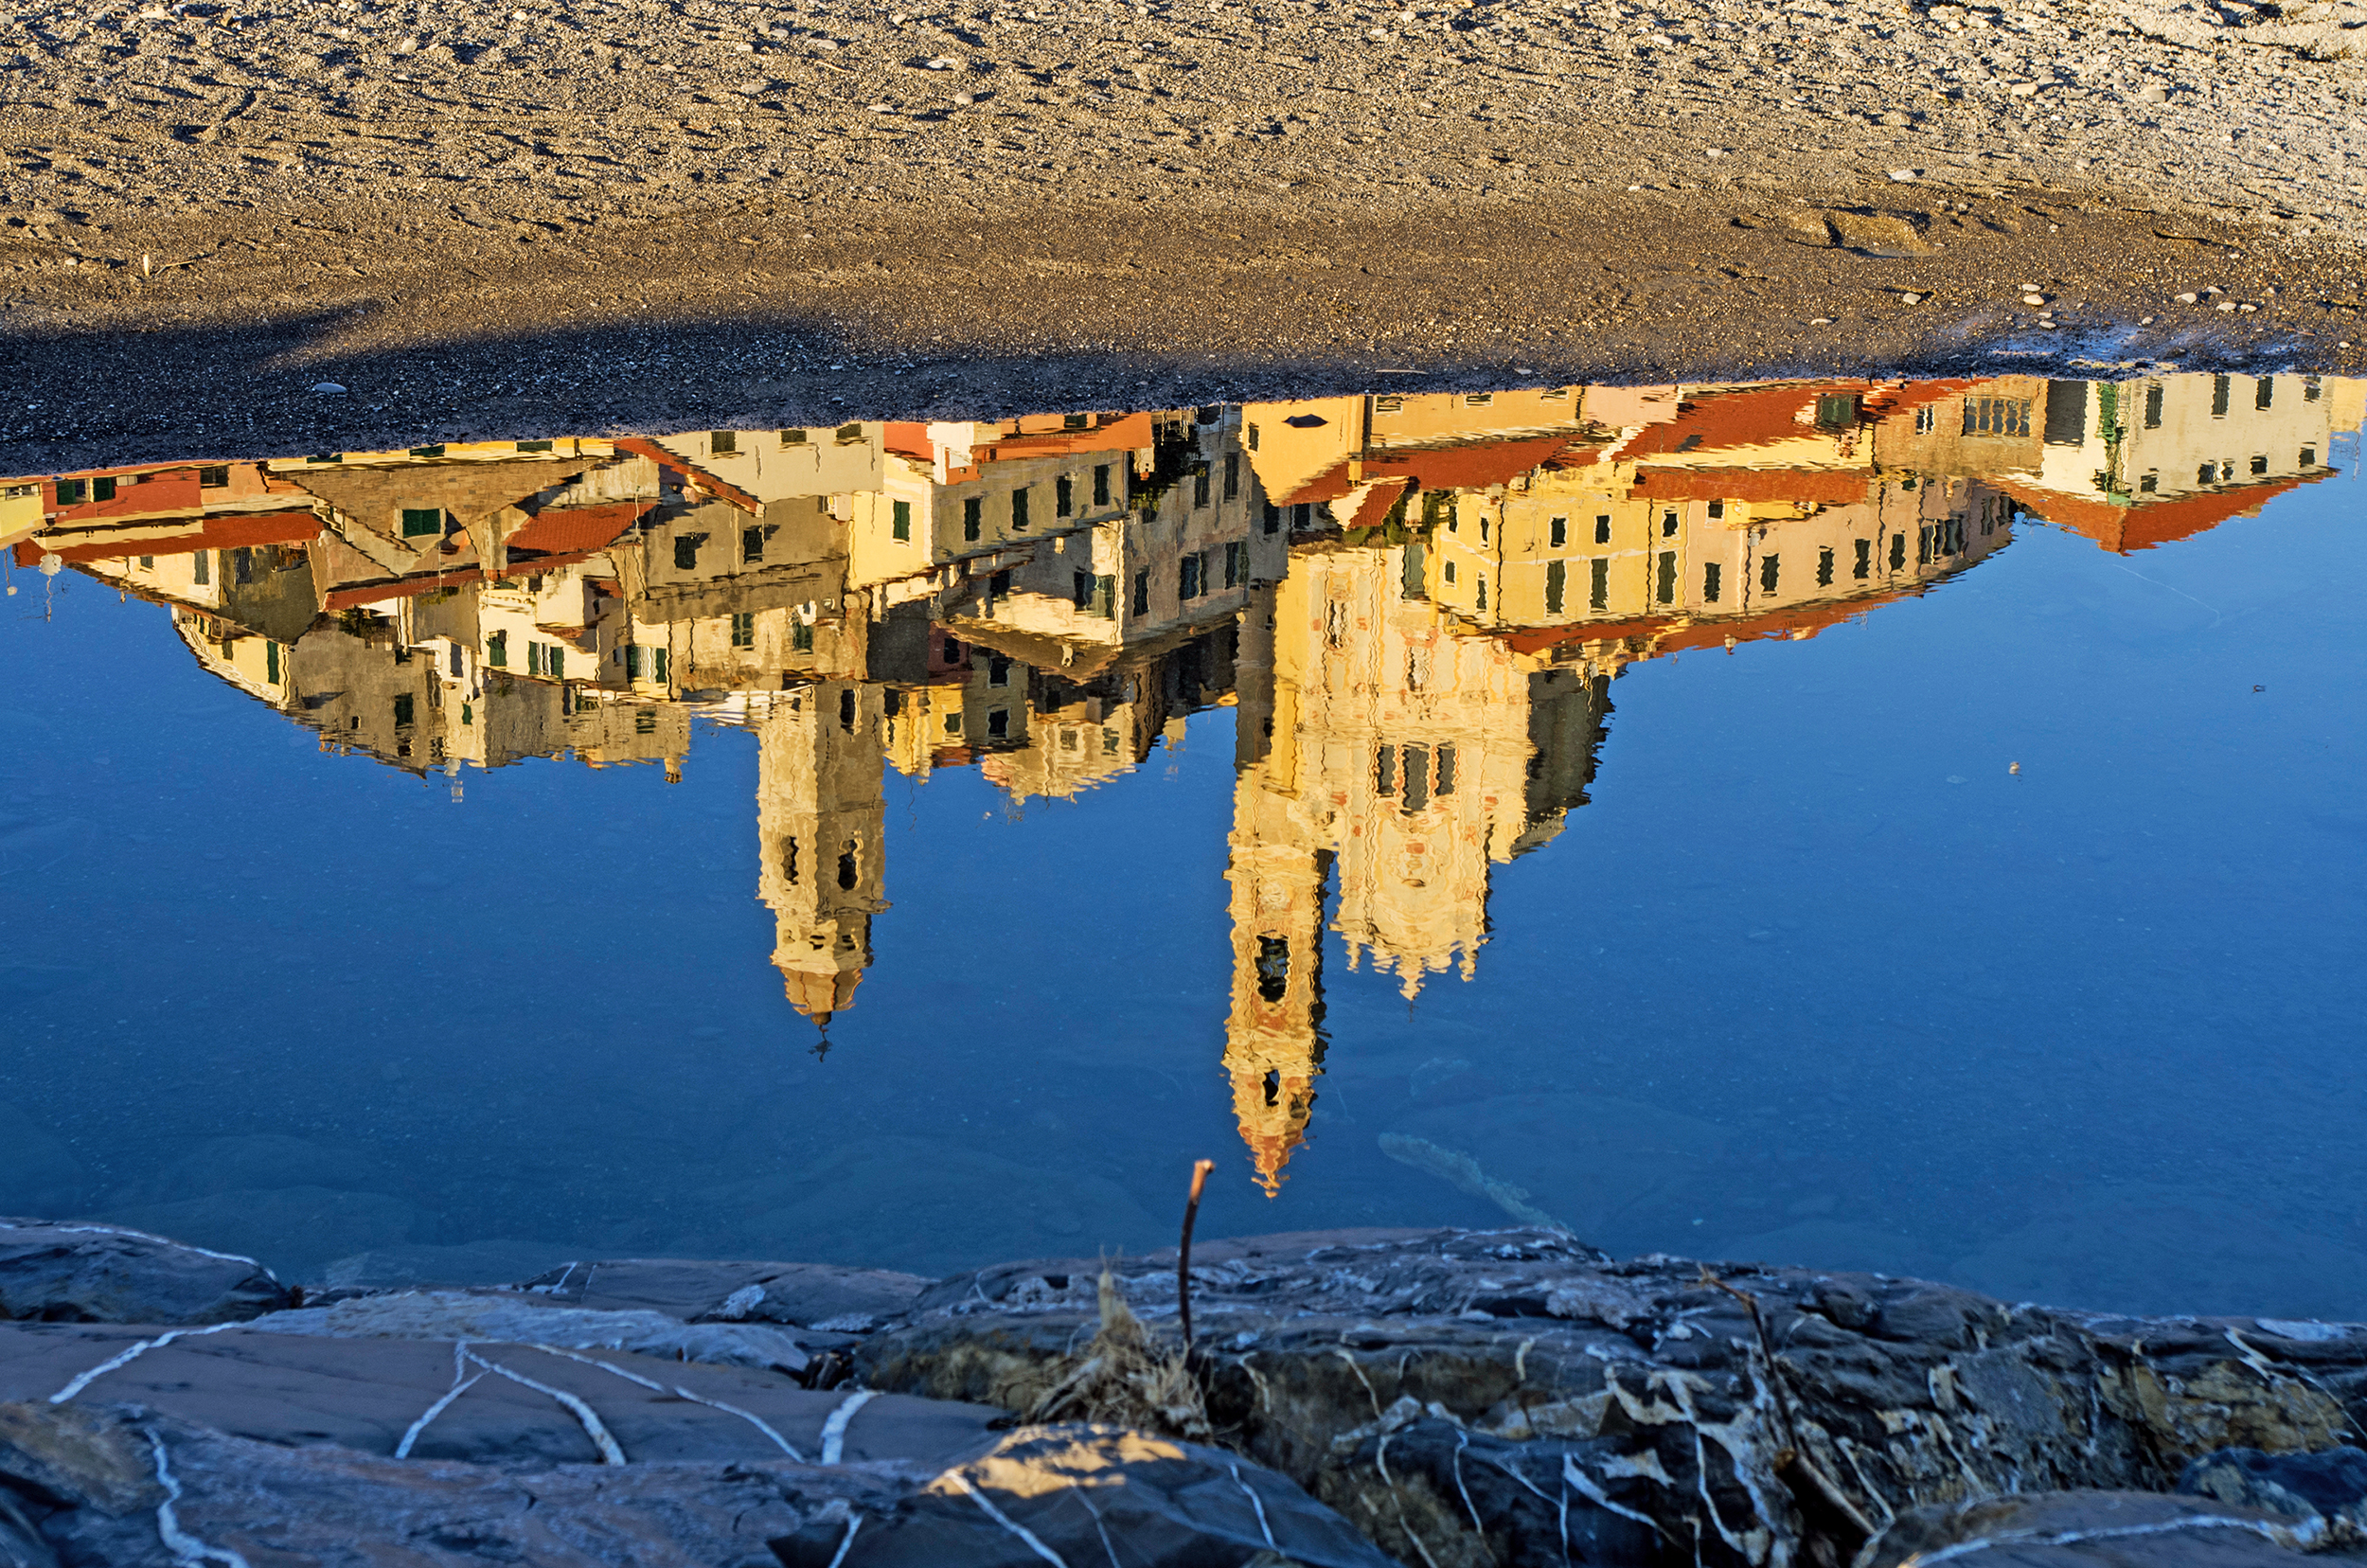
point(1417, 604)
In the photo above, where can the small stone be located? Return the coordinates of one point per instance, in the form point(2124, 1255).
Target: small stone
point(1905, 176)
point(2187, 298)
point(2034, 299)
point(2226, 305)
point(326, 386)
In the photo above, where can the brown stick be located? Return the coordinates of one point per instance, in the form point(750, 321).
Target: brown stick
point(1184, 1253)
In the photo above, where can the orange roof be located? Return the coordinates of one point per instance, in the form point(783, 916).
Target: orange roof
point(1674, 634)
point(642, 447)
point(345, 598)
point(2143, 525)
point(1725, 420)
point(1471, 466)
point(1826, 486)
point(579, 527)
point(1375, 506)
point(215, 531)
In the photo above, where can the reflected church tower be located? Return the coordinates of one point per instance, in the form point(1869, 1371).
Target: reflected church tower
point(820, 821)
point(1277, 870)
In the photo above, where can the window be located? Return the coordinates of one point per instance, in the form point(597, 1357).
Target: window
point(216, 477)
point(427, 451)
point(270, 661)
point(1557, 532)
point(953, 723)
point(687, 551)
point(657, 663)
point(497, 653)
point(792, 437)
point(2153, 405)
point(633, 662)
point(2312, 388)
point(1482, 522)
point(1236, 565)
point(2309, 457)
point(744, 630)
point(1445, 769)
point(148, 564)
point(1717, 511)
point(1417, 777)
point(973, 514)
point(1825, 567)
point(1142, 593)
point(722, 443)
point(998, 724)
point(1556, 577)
point(243, 573)
point(402, 711)
point(1102, 485)
point(554, 661)
point(849, 869)
point(1063, 496)
point(1200, 485)
point(2148, 484)
point(1602, 531)
point(1187, 577)
point(1599, 583)
point(751, 545)
point(1770, 569)
point(2066, 413)
point(1926, 418)
point(1865, 559)
point(1273, 968)
point(1231, 476)
point(1448, 568)
point(1665, 588)
point(2264, 392)
point(1898, 552)
point(2220, 387)
point(800, 638)
point(1478, 400)
point(1479, 590)
point(1074, 422)
point(1997, 416)
point(73, 492)
point(1109, 743)
point(788, 861)
point(1273, 519)
point(417, 521)
point(1385, 770)
point(998, 671)
point(1836, 410)
point(1250, 432)
point(2206, 473)
point(2259, 465)
point(1303, 515)
point(534, 657)
point(847, 709)
point(900, 520)
point(533, 446)
point(1711, 577)
point(1019, 508)
point(998, 587)
point(1388, 405)
point(848, 435)
point(1668, 524)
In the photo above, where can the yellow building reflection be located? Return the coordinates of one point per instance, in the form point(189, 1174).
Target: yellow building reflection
point(1417, 604)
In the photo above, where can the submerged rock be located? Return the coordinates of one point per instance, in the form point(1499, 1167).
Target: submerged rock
point(2323, 1495)
point(64, 1272)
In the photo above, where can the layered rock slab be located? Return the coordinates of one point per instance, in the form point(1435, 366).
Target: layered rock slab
point(1485, 1396)
point(129, 1489)
point(63, 1272)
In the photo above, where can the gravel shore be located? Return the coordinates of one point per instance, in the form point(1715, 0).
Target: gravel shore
point(1208, 190)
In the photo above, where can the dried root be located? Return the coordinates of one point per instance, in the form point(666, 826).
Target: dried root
point(1123, 1378)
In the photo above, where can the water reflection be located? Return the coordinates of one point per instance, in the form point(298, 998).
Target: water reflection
point(1417, 604)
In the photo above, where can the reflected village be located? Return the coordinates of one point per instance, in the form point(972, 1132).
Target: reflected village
point(1417, 604)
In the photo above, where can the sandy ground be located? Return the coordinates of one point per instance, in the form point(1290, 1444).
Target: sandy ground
point(629, 211)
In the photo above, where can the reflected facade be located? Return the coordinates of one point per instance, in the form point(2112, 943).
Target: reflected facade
point(1417, 604)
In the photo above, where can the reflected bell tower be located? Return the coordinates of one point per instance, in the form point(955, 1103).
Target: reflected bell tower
point(820, 824)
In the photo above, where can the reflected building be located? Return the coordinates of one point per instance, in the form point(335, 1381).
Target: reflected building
point(1417, 605)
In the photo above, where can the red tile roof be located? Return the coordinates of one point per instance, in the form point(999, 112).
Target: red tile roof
point(215, 531)
point(2143, 524)
point(579, 528)
point(1817, 486)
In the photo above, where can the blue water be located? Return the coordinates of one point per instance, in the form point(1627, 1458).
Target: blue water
point(1812, 976)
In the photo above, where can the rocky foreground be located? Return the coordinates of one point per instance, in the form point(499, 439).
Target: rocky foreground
point(1432, 1398)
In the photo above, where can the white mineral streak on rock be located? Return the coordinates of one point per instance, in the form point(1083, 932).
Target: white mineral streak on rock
point(585, 1415)
point(139, 1235)
point(131, 1354)
point(738, 1305)
point(2117, 1532)
point(846, 1541)
point(1251, 1492)
point(834, 1430)
point(2302, 1333)
point(462, 1380)
point(186, 1548)
point(748, 1416)
point(1576, 1480)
